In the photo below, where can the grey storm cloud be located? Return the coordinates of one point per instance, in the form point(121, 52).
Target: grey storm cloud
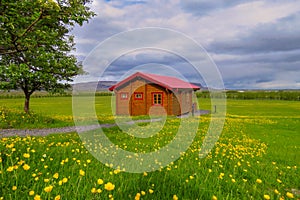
point(205, 7)
point(283, 35)
point(259, 49)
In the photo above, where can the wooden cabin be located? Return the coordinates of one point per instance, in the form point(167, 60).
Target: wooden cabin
point(152, 94)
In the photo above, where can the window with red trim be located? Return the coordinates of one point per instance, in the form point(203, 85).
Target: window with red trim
point(138, 96)
point(157, 98)
point(124, 95)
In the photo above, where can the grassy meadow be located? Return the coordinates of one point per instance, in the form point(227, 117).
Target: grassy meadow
point(256, 157)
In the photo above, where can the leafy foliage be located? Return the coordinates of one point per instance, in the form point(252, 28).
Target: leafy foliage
point(35, 44)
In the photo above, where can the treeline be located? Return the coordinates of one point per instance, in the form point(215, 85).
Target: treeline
point(19, 94)
point(291, 95)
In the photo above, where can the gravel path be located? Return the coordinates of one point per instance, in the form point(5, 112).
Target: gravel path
point(47, 131)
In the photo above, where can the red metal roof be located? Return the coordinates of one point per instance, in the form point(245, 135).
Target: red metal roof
point(165, 81)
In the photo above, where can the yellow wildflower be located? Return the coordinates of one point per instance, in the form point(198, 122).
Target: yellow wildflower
point(26, 155)
point(31, 193)
point(214, 197)
point(10, 169)
point(14, 188)
point(55, 176)
point(143, 193)
point(99, 191)
point(175, 197)
point(109, 186)
point(81, 173)
point(279, 181)
point(258, 180)
point(26, 167)
point(64, 180)
point(137, 196)
point(267, 197)
point(94, 190)
point(289, 195)
point(100, 181)
point(37, 197)
point(48, 188)
point(57, 197)
point(276, 191)
point(151, 191)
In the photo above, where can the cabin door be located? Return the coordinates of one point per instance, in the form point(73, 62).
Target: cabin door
point(137, 104)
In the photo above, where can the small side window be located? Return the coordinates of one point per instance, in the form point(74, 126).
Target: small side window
point(124, 95)
point(138, 96)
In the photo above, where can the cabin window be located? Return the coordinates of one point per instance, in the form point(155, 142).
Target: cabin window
point(157, 98)
point(124, 95)
point(138, 96)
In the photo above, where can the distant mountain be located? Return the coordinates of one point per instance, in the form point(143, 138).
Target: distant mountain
point(101, 85)
point(202, 87)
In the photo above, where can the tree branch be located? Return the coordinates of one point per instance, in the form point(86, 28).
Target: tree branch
point(30, 26)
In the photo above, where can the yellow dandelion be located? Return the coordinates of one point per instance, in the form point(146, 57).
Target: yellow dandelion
point(150, 191)
point(290, 195)
point(233, 180)
point(143, 193)
point(267, 197)
point(276, 191)
point(81, 173)
point(64, 180)
point(137, 196)
point(48, 188)
point(93, 190)
point(279, 181)
point(31, 193)
point(46, 180)
point(26, 155)
point(214, 197)
point(55, 176)
point(100, 181)
point(57, 197)
point(37, 197)
point(258, 181)
point(99, 191)
point(109, 186)
point(10, 169)
point(14, 188)
point(26, 167)
point(175, 197)
point(60, 182)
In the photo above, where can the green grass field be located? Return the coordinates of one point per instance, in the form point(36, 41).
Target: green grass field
point(256, 157)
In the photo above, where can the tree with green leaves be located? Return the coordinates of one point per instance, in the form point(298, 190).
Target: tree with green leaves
point(36, 42)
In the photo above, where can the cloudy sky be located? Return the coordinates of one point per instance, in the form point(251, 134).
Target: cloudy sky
point(254, 44)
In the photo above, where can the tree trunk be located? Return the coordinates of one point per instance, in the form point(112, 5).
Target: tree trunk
point(26, 104)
